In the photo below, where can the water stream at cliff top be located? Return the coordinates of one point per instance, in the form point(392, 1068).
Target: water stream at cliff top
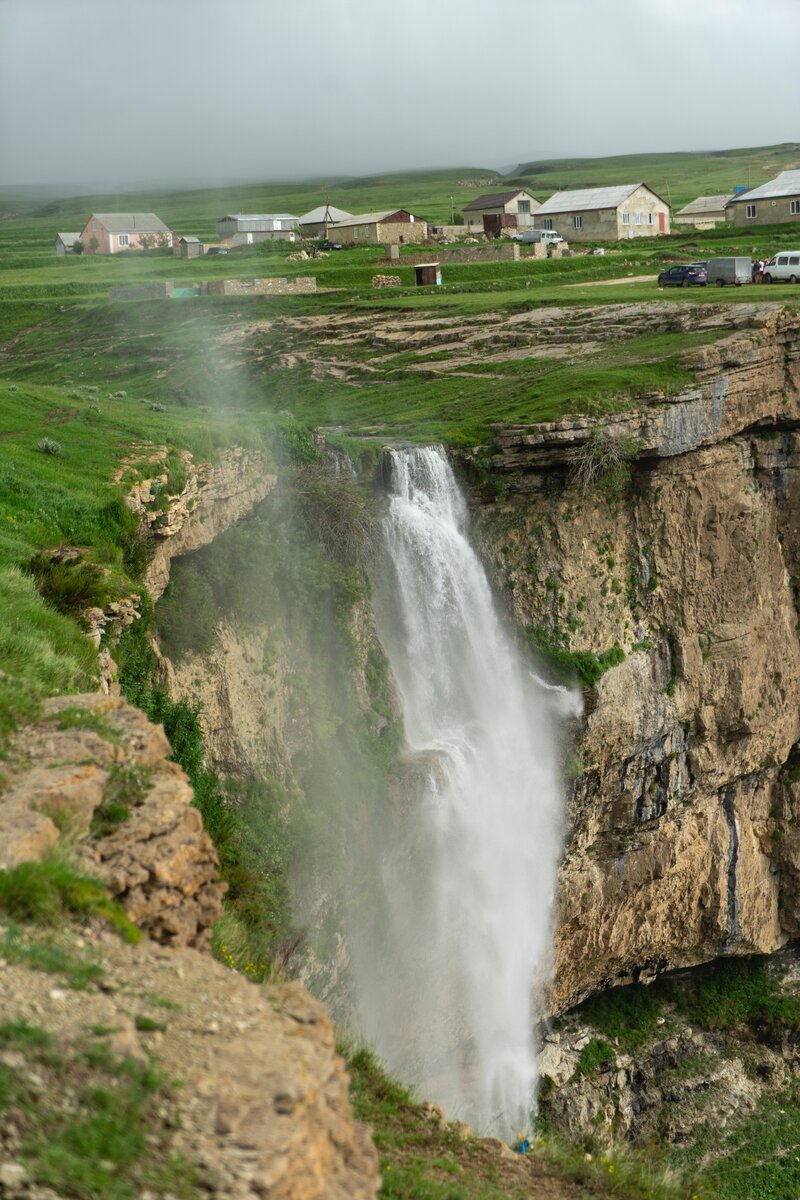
point(469, 870)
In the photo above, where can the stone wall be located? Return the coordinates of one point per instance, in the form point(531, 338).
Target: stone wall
point(502, 252)
point(272, 286)
point(141, 291)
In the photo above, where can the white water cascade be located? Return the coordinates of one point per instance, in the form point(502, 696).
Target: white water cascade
point(470, 866)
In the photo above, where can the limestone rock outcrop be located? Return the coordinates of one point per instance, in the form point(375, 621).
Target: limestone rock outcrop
point(158, 861)
point(262, 1112)
point(682, 811)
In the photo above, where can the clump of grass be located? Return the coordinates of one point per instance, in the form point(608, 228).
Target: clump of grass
point(627, 1015)
point(125, 789)
point(43, 954)
point(149, 1025)
point(75, 717)
point(731, 993)
point(69, 585)
point(596, 1053)
point(48, 445)
point(44, 892)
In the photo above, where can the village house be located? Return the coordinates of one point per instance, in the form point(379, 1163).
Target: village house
point(500, 210)
point(704, 212)
point(244, 229)
point(392, 227)
point(65, 243)
point(771, 203)
point(608, 214)
point(319, 222)
point(111, 233)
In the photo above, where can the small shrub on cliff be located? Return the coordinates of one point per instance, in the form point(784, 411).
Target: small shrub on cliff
point(603, 463)
point(69, 586)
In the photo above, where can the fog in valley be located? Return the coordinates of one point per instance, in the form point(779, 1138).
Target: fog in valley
point(111, 95)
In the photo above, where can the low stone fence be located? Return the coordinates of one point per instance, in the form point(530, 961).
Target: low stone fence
point(504, 252)
point(141, 291)
point(275, 286)
point(389, 281)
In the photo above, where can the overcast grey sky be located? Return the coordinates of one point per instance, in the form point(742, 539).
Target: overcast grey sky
point(126, 91)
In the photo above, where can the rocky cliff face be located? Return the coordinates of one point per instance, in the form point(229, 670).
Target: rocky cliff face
point(265, 1110)
point(682, 841)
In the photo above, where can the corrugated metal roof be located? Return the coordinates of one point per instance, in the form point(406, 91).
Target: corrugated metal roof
point(131, 222)
point(495, 199)
point(68, 239)
point(325, 212)
point(785, 184)
point(586, 199)
point(373, 218)
point(704, 204)
point(258, 217)
point(188, 239)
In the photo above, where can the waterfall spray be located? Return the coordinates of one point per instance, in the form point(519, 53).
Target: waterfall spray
point(469, 877)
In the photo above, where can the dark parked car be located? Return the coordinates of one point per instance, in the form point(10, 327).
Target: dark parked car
point(330, 245)
point(684, 276)
point(216, 250)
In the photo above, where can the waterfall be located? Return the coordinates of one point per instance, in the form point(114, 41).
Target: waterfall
point(469, 866)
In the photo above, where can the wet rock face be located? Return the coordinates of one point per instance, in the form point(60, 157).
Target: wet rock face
point(681, 825)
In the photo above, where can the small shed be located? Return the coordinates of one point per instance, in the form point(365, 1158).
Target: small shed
point(427, 274)
point(65, 243)
point(188, 247)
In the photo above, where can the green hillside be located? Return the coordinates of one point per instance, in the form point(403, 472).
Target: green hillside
point(679, 177)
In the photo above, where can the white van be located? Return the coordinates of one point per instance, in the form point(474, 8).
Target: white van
point(784, 266)
point(548, 236)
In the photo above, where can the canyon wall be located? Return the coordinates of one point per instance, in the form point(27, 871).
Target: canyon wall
point(682, 838)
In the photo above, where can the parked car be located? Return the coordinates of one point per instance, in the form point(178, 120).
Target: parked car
point(784, 266)
point(326, 245)
point(548, 236)
point(684, 276)
point(217, 250)
point(729, 270)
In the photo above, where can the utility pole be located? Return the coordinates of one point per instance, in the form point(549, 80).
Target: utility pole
point(452, 212)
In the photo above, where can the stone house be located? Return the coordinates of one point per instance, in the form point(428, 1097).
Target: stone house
point(512, 209)
point(319, 222)
point(65, 243)
point(774, 202)
point(243, 229)
point(112, 233)
point(704, 212)
point(392, 227)
point(607, 214)
point(188, 247)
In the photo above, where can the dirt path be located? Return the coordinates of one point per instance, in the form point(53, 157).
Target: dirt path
point(611, 282)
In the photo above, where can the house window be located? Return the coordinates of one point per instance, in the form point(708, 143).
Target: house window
point(750, 210)
point(638, 218)
point(355, 233)
point(123, 239)
point(547, 223)
point(794, 207)
point(523, 206)
point(577, 222)
point(651, 220)
point(626, 218)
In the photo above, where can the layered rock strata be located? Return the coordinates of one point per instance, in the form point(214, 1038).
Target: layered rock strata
point(683, 808)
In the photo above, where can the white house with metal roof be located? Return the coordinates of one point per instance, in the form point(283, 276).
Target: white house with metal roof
point(607, 214)
point(318, 222)
point(112, 233)
point(245, 228)
point(771, 203)
point(704, 212)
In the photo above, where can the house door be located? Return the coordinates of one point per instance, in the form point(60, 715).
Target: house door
point(662, 223)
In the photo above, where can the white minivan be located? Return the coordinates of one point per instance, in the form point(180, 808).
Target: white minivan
point(785, 265)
